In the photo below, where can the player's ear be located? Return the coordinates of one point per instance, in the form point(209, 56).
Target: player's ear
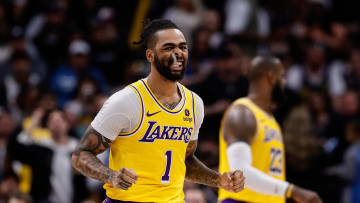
point(149, 55)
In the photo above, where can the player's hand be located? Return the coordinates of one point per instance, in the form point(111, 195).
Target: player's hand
point(124, 178)
point(302, 195)
point(232, 181)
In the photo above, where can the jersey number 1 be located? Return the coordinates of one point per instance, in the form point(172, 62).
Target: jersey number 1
point(166, 178)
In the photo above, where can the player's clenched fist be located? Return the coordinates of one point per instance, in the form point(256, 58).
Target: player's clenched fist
point(232, 181)
point(124, 178)
point(301, 195)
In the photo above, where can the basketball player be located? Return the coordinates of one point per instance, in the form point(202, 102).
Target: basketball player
point(151, 128)
point(251, 140)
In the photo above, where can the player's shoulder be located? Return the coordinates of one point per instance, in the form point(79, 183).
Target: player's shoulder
point(241, 108)
point(196, 97)
point(122, 94)
point(197, 100)
point(122, 97)
point(240, 118)
point(241, 113)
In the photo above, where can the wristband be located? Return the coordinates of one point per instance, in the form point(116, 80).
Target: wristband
point(289, 190)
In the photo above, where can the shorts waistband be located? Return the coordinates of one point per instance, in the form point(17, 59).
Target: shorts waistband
point(231, 201)
point(109, 200)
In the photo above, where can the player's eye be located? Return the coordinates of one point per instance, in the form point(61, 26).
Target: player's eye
point(168, 48)
point(183, 48)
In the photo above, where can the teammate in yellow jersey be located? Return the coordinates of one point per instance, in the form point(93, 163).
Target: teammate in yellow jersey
point(151, 128)
point(251, 140)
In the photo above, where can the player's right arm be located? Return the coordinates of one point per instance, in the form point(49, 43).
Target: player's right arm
point(239, 129)
point(85, 161)
point(111, 120)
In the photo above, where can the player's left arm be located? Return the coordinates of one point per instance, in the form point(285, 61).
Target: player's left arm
point(197, 172)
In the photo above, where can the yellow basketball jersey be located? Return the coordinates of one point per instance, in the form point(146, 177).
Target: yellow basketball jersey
point(267, 151)
point(155, 149)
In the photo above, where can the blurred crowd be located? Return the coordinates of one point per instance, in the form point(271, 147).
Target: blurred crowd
point(61, 59)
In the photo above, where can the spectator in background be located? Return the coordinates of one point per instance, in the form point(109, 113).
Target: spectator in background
point(334, 131)
point(81, 110)
point(9, 184)
point(186, 14)
point(107, 50)
point(19, 13)
point(45, 102)
point(198, 193)
point(195, 195)
point(246, 20)
point(4, 28)
point(7, 128)
point(208, 152)
point(211, 22)
point(66, 78)
point(345, 76)
point(349, 169)
point(200, 63)
point(18, 43)
point(53, 179)
point(336, 40)
point(20, 198)
point(19, 83)
point(318, 105)
point(310, 75)
point(48, 30)
point(226, 83)
point(302, 143)
point(304, 149)
point(98, 102)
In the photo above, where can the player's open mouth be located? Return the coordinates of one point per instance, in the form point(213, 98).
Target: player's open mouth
point(177, 65)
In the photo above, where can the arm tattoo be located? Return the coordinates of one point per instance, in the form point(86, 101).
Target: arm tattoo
point(196, 171)
point(239, 125)
point(84, 157)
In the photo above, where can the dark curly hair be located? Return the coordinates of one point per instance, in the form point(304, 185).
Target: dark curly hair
point(151, 27)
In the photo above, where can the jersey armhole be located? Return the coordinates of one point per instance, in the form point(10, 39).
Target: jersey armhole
point(193, 107)
point(141, 113)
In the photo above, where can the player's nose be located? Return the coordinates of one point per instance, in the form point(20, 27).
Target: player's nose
point(178, 52)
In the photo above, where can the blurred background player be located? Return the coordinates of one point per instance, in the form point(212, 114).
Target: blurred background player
point(251, 140)
point(151, 128)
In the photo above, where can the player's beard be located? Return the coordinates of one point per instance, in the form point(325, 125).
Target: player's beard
point(163, 67)
point(278, 95)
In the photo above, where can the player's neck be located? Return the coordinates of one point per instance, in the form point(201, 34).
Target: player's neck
point(261, 97)
point(161, 86)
